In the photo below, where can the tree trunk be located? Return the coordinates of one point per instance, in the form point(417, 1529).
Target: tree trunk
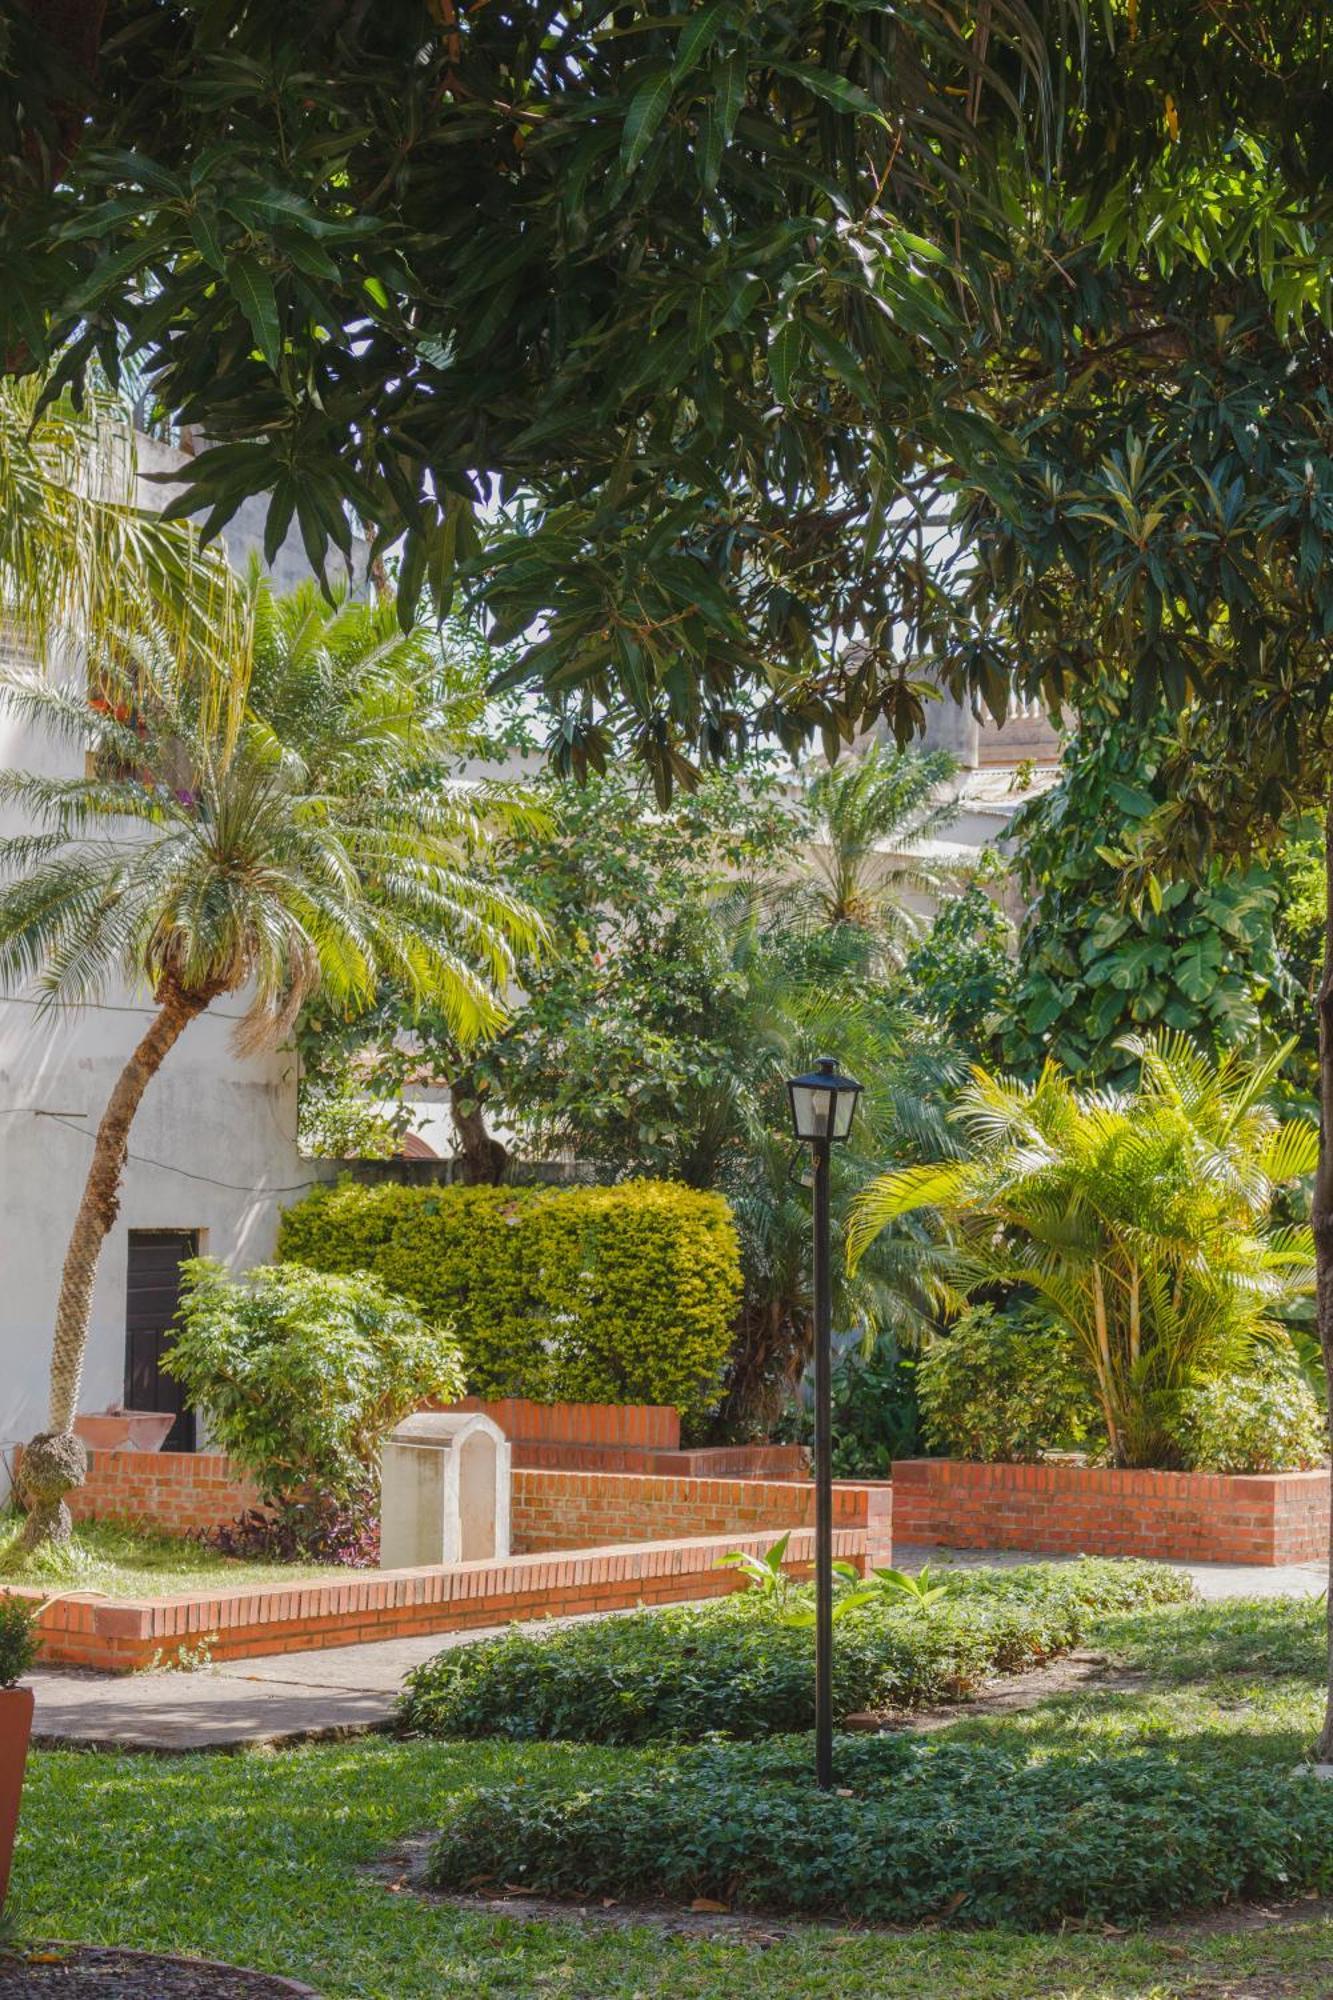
point(484, 1157)
point(1322, 1216)
point(51, 1462)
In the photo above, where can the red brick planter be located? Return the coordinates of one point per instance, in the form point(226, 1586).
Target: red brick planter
point(15, 1729)
point(120, 1635)
point(1270, 1518)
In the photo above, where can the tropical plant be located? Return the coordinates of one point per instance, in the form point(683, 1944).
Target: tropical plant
point(1004, 1385)
point(763, 1574)
point(875, 1413)
point(18, 1637)
point(961, 971)
point(270, 835)
point(80, 558)
point(868, 817)
point(1140, 1220)
point(1200, 956)
point(301, 1376)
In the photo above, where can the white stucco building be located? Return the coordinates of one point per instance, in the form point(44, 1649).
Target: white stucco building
point(213, 1153)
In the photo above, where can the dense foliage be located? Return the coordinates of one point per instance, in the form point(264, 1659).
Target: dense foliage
point(745, 1666)
point(919, 1829)
point(1265, 1420)
point(670, 291)
point(875, 1414)
point(1141, 1221)
point(619, 1294)
point(961, 972)
point(301, 1376)
point(18, 1637)
point(691, 967)
point(1003, 1385)
point(1197, 957)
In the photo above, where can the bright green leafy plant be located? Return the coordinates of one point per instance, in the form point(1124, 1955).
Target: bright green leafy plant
point(18, 1637)
point(1003, 1386)
point(1265, 1420)
point(1201, 957)
point(1141, 1221)
point(301, 1376)
point(586, 1294)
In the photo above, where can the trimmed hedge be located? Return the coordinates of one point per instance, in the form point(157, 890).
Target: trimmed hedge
point(735, 1666)
point(620, 1294)
point(923, 1829)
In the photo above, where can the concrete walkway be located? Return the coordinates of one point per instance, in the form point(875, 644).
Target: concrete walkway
point(285, 1698)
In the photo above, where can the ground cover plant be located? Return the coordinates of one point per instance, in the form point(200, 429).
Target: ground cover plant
point(301, 1855)
point(916, 1829)
point(743, 1666)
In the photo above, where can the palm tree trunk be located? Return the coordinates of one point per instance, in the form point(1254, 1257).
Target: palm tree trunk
point(1322, 1216)
point(51, 1458)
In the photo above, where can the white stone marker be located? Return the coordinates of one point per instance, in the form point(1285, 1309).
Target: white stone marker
point(444, 1491)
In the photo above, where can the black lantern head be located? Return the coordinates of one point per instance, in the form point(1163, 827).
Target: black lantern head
point(823, 1103)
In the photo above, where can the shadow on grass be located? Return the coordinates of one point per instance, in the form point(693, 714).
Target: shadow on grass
point(1254, 1637)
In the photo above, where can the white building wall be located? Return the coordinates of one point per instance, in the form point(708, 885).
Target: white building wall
point(213, 1147)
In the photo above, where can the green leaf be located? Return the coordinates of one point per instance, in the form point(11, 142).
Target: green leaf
point(699, 37)
point(647, 109)
point(252, 288)
point(825, 83)
point(206, 239)
point(784, 353)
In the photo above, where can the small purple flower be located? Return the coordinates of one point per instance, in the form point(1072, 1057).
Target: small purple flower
point(186, 799)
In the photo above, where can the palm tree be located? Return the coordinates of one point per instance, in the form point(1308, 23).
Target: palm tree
point(871, 816)
point(79, 557)
point(284, 835)
point(1140, 1220)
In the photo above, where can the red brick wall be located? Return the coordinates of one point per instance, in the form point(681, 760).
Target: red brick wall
point(1070, 1510)
point(645, 1425)
point(182, 1491)
point(121, 1636)
point(185, 1492)
point(572, 1510)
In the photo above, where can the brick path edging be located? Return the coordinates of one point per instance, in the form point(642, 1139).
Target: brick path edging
point(1261, 1518)
point(121, 1635)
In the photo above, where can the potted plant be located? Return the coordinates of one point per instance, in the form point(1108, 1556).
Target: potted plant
point(18, 1650)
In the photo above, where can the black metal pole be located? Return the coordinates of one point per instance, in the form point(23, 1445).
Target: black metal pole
point(823, 1475)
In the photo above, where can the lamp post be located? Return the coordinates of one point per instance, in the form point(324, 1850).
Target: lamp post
point(823, 1104)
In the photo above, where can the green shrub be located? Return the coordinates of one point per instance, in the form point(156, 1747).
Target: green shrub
point(875, 1414)
point(18, 1638)
point(741, 1668)
point(301, 1376)
point(1003, 1386)
point(606, 1294)
point(1266, 1420)
point(922, 1828)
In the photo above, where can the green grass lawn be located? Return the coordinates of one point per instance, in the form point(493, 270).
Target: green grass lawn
point(136, 1562)
point(270, 1860)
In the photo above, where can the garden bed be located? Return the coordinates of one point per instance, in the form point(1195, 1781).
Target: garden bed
point(1060, 1509)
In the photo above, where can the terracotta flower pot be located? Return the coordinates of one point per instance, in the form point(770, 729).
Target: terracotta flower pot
point(124, 1430)
point(15, 1729)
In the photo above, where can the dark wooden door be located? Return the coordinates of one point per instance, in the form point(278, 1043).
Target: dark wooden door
point(152, 1294)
